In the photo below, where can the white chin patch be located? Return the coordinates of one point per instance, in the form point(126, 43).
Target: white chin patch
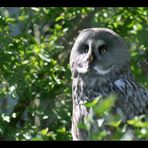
point(82, 70)
point(101, 71)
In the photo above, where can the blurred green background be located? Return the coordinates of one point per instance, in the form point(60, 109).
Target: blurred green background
point(35, 79)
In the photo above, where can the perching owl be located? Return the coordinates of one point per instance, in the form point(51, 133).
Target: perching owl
point(100, 66)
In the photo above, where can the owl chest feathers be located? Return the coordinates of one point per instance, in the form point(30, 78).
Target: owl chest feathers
point(131, 98)
point(91, 85)
point(89, 88)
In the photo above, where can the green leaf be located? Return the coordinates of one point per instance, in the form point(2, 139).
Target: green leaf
point(115, 124)
point(93, 103)
point(82, 125)
point(44, 131)
point(104, 105)
point(136, 122)
point(59, 18)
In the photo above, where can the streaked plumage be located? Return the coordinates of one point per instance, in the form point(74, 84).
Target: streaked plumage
point(100, 66)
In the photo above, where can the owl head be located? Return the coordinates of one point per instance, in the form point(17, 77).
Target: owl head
point(99, 50)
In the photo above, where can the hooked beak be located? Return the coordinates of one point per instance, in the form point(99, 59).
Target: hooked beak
point(90, 58)
point(90, 55)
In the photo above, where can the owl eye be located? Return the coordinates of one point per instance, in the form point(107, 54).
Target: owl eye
point(102, 49)
point(85, 48)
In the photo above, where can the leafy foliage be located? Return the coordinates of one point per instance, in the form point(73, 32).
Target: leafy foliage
point(112, 127)
point(35, 80)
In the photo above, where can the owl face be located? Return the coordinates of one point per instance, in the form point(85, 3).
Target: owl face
point(98, 50)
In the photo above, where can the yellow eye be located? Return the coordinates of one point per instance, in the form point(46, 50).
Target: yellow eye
point(102, 49)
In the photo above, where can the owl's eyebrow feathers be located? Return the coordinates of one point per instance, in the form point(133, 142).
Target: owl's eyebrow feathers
point(89, 42)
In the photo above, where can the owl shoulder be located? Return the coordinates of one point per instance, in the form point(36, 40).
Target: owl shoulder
point(132, 93)
point(126, 86)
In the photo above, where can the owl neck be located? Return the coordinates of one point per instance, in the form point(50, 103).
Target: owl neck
point(91, 85)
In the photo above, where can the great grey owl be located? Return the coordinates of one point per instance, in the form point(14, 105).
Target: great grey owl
point(100, 66)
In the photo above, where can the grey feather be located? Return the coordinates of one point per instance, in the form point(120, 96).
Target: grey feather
point(100, 66)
